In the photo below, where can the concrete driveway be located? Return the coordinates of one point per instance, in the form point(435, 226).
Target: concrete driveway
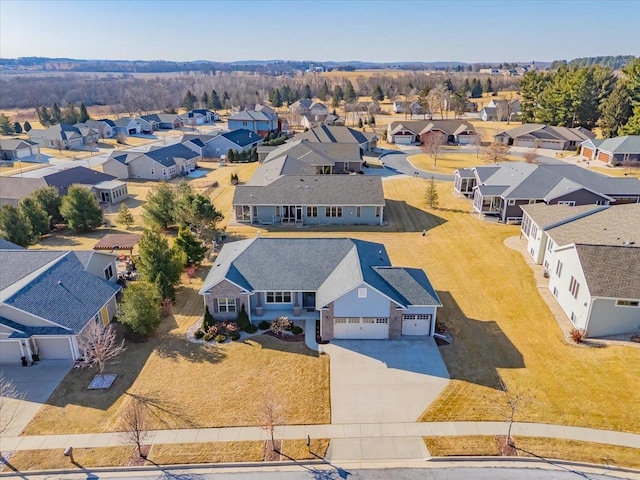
point(35, 384)
point(384, 381)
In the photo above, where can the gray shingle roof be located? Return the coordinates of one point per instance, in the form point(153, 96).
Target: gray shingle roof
point(534, 130)
point(15, 188)
point(24, 331)
point(64, 294)
point(339, 190)
point(336, 134)
point(329, 266)
point(166, 155)
point(611, 226)
point(242, 137)
point(15, 143)
point(626, 144)
point(7, 245)
point(611, 271)
point(18, 264)
point(254, 116)
point(450, 127)
point(63, 179)
point(546, 216)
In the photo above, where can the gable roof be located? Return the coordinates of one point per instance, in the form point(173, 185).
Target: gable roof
point(20, 263)
point(336, 134)
point(64, 294)
point(15, 143)
point(418, 127)
point(15, 188)
point(161, 117)
point(547, 132)
point(610, 271)
point(61, 131)
point(329, 266)
point(242, 137)
point(338, 190)
point(263, 115)
point(619, 145)
point(63, 179)
point(616, 225)
point(7, 245)
point(123, 122)
point(548, 216)
point(166, 155)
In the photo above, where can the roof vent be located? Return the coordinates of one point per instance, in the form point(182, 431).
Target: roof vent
point(59, 282)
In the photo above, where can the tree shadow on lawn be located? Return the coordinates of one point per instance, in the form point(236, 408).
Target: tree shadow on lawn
point(69, 238)
point(479, 348)
point(162, 407)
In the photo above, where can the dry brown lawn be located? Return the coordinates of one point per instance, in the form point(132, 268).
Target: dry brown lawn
point(451, 159)
point(617, 171)
point(551, 448)
point(218, 452)
point(20, 167)
point(487, 130)
point(50, 459)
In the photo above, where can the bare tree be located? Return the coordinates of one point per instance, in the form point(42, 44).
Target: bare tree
point(530, 157)
point(134, 424)
point(506, 109)
point(279, 325)
point(59, 145)
point(437, 100)
point(99, 344)
point(91, 143)
point(495, 152)
point(432, 144)
point(272, 416)
point(9, 397)
point(513, 403)
point(477, 143)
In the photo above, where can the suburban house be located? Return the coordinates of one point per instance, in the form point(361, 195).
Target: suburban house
point(312, 121)
point(145, 127)
point(533, 135)
point(299, 184)
point(500, 190)
point(306, 106)
point(126, 126)
point(337, 134)
point(48, 297)
point(400, 106)
point(500, 111)
point(348, 285)
point(199, 117)
point(598, 287)
point(406, 132)
point(164, 121)
point(15, 149)
point(162, 163)
point(613, 151)
point(103, 127)
point(220, 143)
point(106, 188)
point(261, 122)
point(64, 135)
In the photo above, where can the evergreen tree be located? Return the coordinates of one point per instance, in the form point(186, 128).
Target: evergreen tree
point(204, 101)
point(324, 92)
point(306, 92)
point(335, 99)
point(80, 209)
point(632, 127)
point(448, 85)
point(294, 96)
point(476, 89)
point(124, 216)
point(488, 87)
point(277, 100)
point(50, 201)
point(44, 117)
point(56, 114)
point(17, 128)
point(37, 216)
point(466, 86)
point(632, 82)
point(70, 114)
point(616, 111)
point(193, 249)
point(377, 95)
point(214, 101)
point(159, 264)
point(231, 155)
point(338, 92)
point(14, 226)
point(6, 127)
point(27, 126)
point(83, 115)
point(285, 92)
point(159, 210)
point(243, 318)
point(532, 84)
point(140, 308)
point(349, 93)
point(359, 123)
point(431, 195)
point(189, 101)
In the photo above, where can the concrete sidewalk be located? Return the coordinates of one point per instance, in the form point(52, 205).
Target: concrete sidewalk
point(338, 431)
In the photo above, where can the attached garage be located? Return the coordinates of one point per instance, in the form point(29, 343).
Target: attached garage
point(23, 152)
point(54, 348)
point(526, 142)
point(10, 351)
point(587, 153)
point(604, 157)
point(360, 328)
point(403, 139)
point(133, 131)
point(416, 325)
point(551, 145)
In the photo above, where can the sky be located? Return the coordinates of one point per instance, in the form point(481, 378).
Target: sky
point(322, 30)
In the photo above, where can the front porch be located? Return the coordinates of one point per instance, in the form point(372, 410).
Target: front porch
point(272, 314)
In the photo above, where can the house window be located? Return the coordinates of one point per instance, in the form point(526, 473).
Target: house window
point(549, 245)
point(573, 317)
point(555, 292)
point(278, 297)
point(566, 202)
point(227, 305)
point(559, 268)
point(423, 317)
point(312, 212)
point(108, 272)
point(378, 210)
point(333, 211)
point(362, 293)
point(534, 231)
point(153, 171)
point(574, 287)
point(357, 211)
point(512, 202)
point(531, 202)
point(627, 303)
point(278, 211)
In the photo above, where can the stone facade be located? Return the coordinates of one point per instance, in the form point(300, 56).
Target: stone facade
point(225, 289)
point(395, 322)
point(326, 323)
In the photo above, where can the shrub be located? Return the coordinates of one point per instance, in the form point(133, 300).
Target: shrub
point(243, 318)
point(166, 307)
point(578, 335)
point(214, 329)
point(199, 334)
point(220, 338)
point(264, 325)
point(207, 337)
point(251, 328)
point(235, 336)
point(231, 327)
point(208, 319)
point(279, 325)
point(296, 330)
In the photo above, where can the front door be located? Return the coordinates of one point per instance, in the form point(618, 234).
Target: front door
point(298, 214)
point(309, 301)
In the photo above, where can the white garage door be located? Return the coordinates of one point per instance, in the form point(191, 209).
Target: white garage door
point(416, 324)
point(10, 351)
point(24, 152)
point(358, 328)
point(526, 143)
point(551, 145)
point(54, 348)
point(403, 139)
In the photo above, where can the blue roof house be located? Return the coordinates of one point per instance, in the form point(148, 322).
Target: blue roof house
point(261, 122)
point(48, 297)
point(348, 285)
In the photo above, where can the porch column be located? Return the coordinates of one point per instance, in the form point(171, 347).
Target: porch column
point(258, 304)
point(296, 305)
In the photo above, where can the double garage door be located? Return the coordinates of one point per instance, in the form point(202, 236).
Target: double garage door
point(360, 328)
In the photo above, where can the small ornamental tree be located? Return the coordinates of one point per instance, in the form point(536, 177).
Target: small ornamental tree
point(124, 216)
point(80, 209)
point(431, 195)
point(243, 318)
point(99, 344)
point(280, 325)
point(8, 404)
point(432, 144)
point(140, 307)
point(208, 320)
point(495, 152)
point(6, 127)
point(134, 424)
point(27, 126)
point(231, 155)
point(17, 128)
